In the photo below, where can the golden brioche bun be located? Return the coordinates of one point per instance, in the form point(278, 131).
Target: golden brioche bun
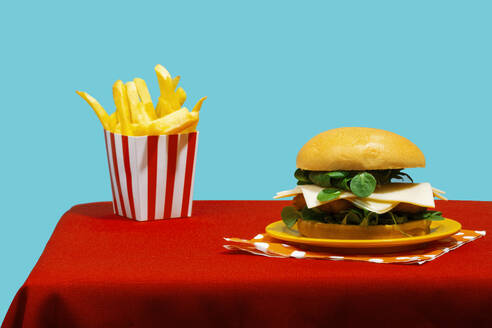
point(314, 229)
point(354, 148)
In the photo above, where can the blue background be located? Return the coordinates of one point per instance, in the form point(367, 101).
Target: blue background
point(275, 74)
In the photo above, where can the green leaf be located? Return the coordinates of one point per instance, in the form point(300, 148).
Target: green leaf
point(403, 175)
point(433, 215)
point(321, 179)
point(312, 214)
point(353, 216)
point(363, 184)
point(290, 216)
point(328, 194)
point(337, 183)
point(344, 183)
point(386, 176)
point(302, 175)
point(395, 220)
point(337, 174)
point(372, 218)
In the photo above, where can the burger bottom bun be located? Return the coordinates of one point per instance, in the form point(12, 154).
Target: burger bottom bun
point(314, 229)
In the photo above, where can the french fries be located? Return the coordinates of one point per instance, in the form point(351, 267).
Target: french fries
point(171, 99)
point(135, 114)
point(137, 110)
point(195, 111)
point(122, 107)
point(175, 122)
point(143, 93)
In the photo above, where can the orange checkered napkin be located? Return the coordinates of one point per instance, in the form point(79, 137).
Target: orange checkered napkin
point(263, 244)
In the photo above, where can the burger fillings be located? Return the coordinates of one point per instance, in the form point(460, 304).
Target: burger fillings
point(346, 187)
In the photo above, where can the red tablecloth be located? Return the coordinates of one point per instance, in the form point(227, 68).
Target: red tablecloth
point(99, 270)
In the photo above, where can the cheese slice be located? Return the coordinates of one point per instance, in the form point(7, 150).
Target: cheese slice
point(419, 194)
point(382, 200)
point(373, 206)
point(288, 193)
point(311, 192)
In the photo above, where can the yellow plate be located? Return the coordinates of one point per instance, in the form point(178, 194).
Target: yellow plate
point(439, 230)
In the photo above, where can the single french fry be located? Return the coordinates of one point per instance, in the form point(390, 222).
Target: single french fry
point(137, 109)
point(144, 94)
point(191, 119)
point(143, 91)
point(117, 128)
point(98, 109)
point(180, 96)
point(176, 82)
point(198, 105)
point(113, 121)
point(122, 107)
point(142, 113)
point(166, 88)
point(192, 127)
point(132, 94)
point(440, 196)
point(170, 99)
point(164, 107)
point(170, 102)
point(169, 121)
point(438, 191)
point(164, 79)
point(140, 129)
point(176, 121)
point(196, 110)
point(161, 70)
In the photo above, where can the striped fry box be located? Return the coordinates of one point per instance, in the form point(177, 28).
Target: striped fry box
point(152, 176)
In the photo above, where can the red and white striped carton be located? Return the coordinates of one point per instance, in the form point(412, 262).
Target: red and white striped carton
point(152, 176)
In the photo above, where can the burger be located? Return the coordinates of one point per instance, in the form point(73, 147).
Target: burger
point(351, 185)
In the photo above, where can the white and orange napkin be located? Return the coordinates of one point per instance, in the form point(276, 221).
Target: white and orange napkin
point(263, 244)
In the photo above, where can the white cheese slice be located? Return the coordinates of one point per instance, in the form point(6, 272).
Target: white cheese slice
point(373, 206)
point(384, 197)
point(311, 192)
point(288, 193)
point(419, 194)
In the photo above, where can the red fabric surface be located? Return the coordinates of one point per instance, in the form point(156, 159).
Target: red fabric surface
point(99, 270)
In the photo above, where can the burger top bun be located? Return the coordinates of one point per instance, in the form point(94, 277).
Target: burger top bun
point(354, 148)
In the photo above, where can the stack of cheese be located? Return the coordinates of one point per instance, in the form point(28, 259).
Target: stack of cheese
point(382, 200)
